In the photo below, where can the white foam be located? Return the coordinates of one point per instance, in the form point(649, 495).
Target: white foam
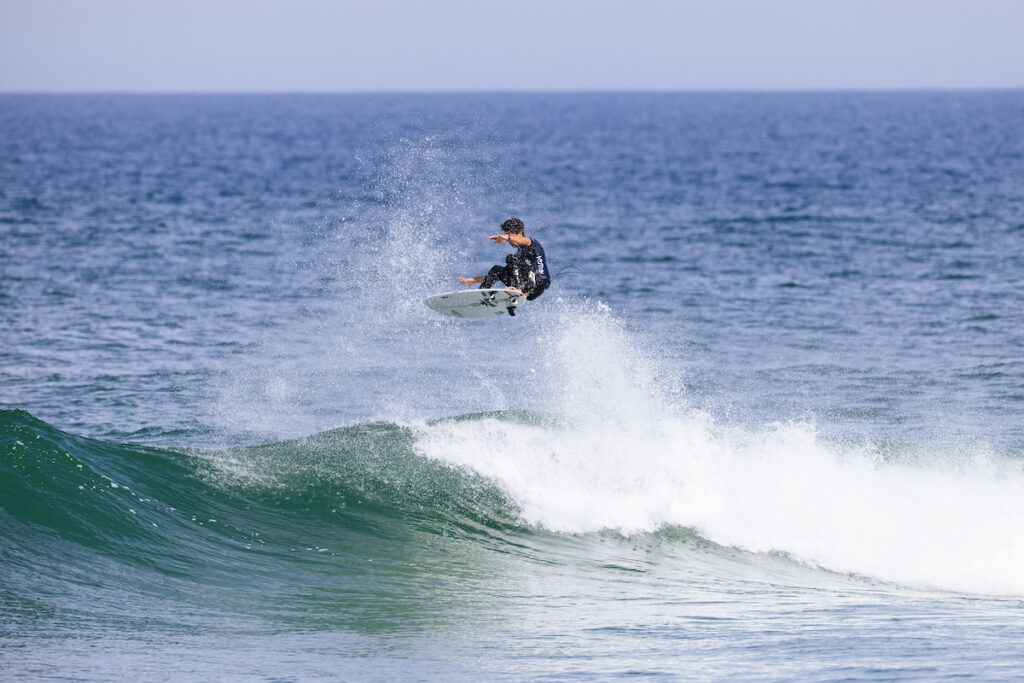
point(628, 456)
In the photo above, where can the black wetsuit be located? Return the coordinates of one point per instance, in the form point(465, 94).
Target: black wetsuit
point(525, 269)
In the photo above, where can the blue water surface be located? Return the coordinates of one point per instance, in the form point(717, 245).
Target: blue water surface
point(201, 275)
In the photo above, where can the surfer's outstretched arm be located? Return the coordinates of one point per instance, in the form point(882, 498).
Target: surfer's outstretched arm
point(514, 239)
point(470, 281)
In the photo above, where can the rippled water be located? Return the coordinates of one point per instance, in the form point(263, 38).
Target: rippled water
point(766, 423)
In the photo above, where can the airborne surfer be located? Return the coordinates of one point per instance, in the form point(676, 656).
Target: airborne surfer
point(525, 270)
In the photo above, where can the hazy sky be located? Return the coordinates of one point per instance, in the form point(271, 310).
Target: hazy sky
point(392, 45)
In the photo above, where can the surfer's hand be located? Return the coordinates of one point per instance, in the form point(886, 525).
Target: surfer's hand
point(470, 281)
point(498, 239)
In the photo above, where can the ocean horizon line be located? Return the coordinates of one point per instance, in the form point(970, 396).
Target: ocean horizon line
point(527, 91)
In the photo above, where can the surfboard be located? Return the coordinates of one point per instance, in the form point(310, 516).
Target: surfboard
point(476, 303)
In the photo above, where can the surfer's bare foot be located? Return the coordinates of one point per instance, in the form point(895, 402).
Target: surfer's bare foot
point(514, 289)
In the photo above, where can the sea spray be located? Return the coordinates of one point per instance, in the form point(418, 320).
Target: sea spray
point(421, 225)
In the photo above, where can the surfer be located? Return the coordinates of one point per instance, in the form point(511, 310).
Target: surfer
point(526, 269)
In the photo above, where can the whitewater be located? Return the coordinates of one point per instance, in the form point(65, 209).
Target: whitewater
point(618, 456)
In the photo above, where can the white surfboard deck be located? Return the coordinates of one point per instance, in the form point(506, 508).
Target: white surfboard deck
point(476, 303)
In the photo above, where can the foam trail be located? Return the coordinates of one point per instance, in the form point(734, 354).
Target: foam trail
point(625, 455)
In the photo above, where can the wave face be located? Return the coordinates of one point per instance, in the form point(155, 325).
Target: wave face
point(504, 483)
point(186, 513)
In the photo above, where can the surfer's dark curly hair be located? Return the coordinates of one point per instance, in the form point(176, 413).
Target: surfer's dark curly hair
point(513, 225)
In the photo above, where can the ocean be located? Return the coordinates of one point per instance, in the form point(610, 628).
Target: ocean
point(767, 423)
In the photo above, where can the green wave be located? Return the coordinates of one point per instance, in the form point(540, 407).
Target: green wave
point(350, 528)
point(358, 493)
